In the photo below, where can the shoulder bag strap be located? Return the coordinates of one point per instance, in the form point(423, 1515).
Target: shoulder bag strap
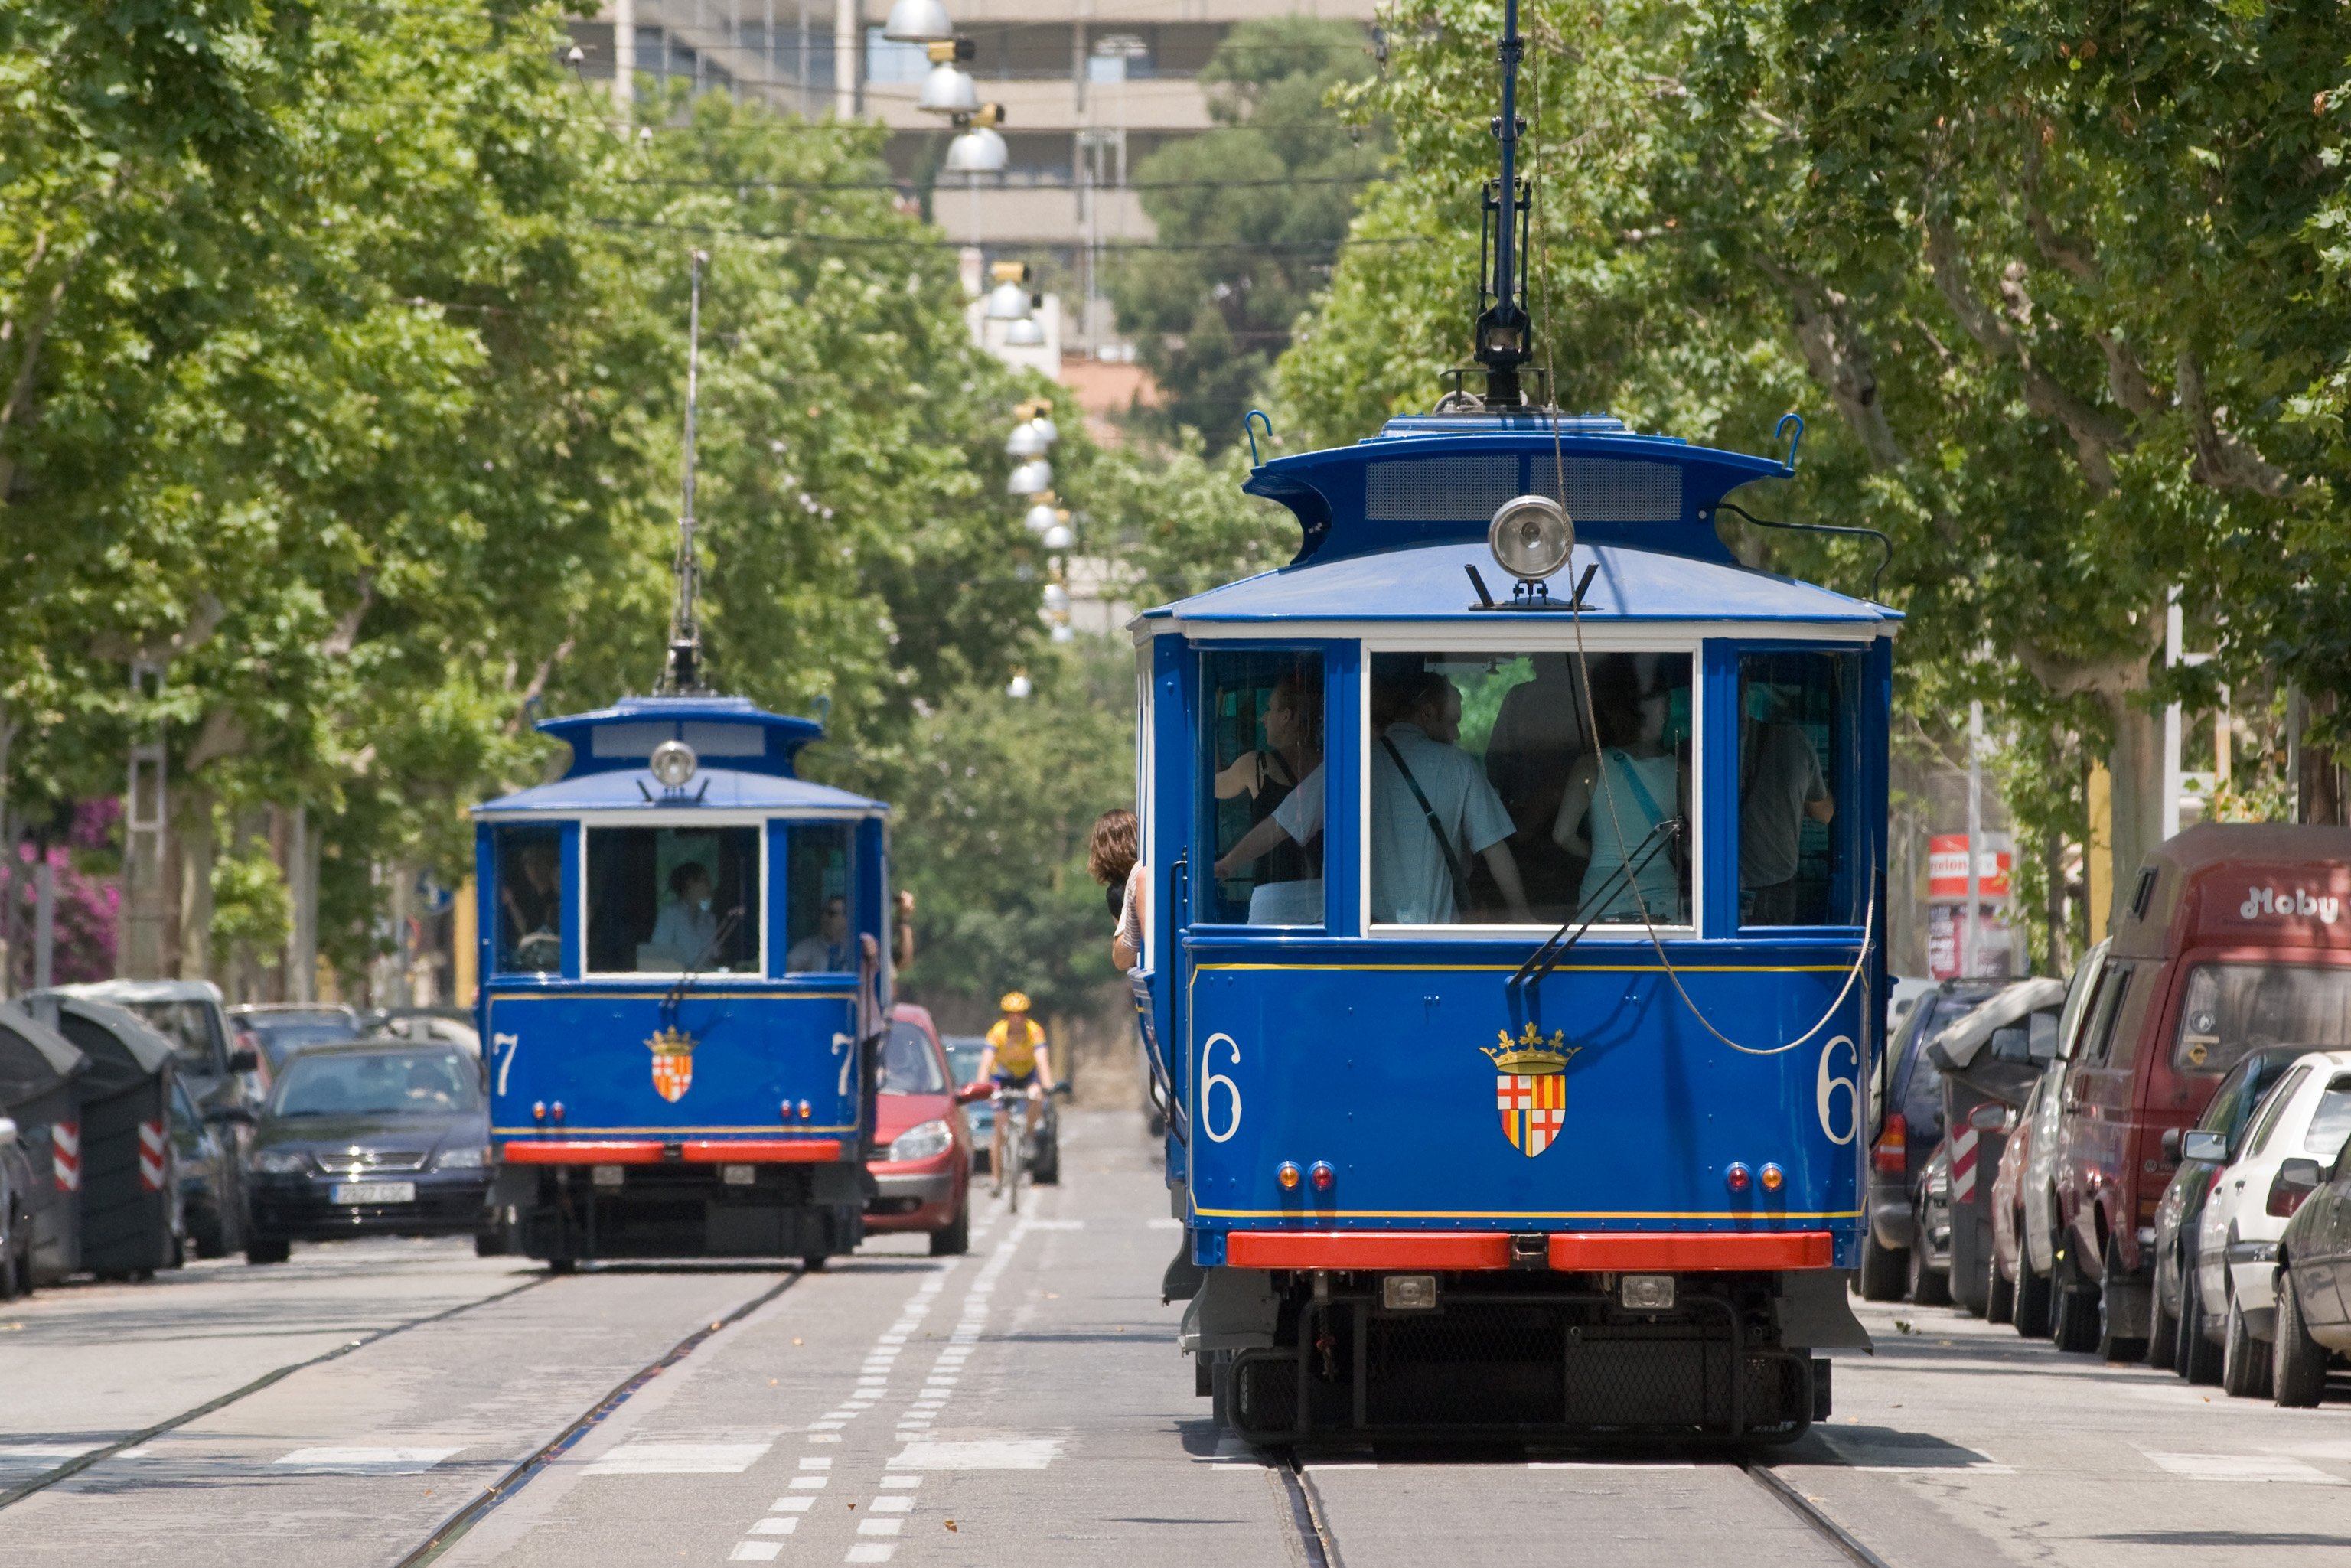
point(1444, 841)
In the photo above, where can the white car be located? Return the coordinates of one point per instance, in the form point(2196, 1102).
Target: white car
point(2304, 1118)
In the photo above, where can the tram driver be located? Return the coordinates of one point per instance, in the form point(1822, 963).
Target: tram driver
point(687, 928)
point(827, 949)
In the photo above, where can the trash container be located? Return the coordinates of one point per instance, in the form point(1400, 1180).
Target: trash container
point(39, 1070)
point(129, 1188)
point(1990, 1058)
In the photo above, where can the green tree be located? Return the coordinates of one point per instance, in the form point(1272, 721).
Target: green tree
point(1253, 212)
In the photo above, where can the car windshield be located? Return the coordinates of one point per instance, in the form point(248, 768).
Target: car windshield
point(187, 1025)
point(2233, 1008)
point(1918, 1082)
point(909, 1065)
point(379, 1084)
point(963, 1057)
point(281, 1039)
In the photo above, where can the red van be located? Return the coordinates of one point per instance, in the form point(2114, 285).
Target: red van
point(2232, 937)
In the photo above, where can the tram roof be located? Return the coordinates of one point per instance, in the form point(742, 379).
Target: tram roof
point(710, 790)
point(1428, 583)
point(1432, 478)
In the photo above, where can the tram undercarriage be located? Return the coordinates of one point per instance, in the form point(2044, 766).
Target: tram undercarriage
point(566, 1213)
point(1512, 1355)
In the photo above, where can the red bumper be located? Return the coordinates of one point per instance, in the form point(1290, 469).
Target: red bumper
point(1686, 1251)
point(652, 1152)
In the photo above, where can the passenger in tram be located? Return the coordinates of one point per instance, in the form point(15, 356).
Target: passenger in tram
point(531, 897)
point(1780, 784)
point(828, 950)
point(1432, 806)
point(686, 929)
point(1283, 781)
point(1615, 797)
point(1538, 736)
point(1112, 860)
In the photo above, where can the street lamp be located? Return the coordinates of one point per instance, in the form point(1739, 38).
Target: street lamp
point(977, 150)
point(1019, 686)
point(918, 22)
point(947, 91)
point(1024, 442)
point(1058, 537)
point(1033, 477)
point(1041, 518)
point(1025, 333)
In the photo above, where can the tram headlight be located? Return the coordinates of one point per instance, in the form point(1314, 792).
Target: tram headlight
point(673, 763)
point(922, 1142)
point(1531, 537)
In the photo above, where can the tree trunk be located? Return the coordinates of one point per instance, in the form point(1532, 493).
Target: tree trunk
point(2136, 765)
point(197, 850)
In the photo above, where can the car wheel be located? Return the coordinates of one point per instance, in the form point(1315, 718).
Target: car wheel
point(1884, 1271)
point(954, 1239)
point(2077, 1317)
point(2110, 1345)
point(1929, 1287)
point(2298, 1363)
point(2031, 1315)
point(2197, 1359)
point(2000, 1293)
point(12, 1284)
point(2162, 1328)
point(2244, 1361)
point(267, 1250)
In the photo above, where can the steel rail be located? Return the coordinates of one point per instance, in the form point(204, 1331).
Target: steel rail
point(81, 1462)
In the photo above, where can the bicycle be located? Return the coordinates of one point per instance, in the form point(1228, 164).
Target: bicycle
point(1014, 1135)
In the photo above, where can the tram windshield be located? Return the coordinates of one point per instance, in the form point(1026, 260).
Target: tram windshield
point(1515, 788)
point(1798, 757)
point(530, 899)
point(667, 899)
point(1264, 747)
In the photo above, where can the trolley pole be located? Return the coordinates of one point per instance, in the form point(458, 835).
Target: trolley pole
point(684, 670)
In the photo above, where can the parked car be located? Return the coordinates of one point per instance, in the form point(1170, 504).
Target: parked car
point(2169, 1343)
point(2298, 1131)
point(1989, 1059)
point(379, 1137)
point(2035, 1153)
point(2313, 1290)
point(452, 1025)
point(17, 1190)
point(922, 1177)
point(211, 1176)
point(2231, 939)
point(2002, 1302)
point(281, 1028)
point(1930, 1249)
point(1906, 1123)
point(1044, 1152)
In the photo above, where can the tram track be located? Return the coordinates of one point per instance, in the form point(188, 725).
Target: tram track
point(18, 1493)
point(454, 1528)
point(1318, 1541)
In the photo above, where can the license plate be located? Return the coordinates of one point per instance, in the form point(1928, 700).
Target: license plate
point(374, 1192)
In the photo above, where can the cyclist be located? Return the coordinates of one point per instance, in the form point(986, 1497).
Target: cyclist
point(1016, 1059)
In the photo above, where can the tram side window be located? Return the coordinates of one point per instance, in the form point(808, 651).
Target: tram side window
point(665, 901)
point(819, 925)
point(1515, 788)
point(530, 899)
point(1797, 760)
point(1264, 797)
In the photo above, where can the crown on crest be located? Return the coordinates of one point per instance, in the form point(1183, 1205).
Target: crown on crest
point(1531, 1053)
point(671, 1043)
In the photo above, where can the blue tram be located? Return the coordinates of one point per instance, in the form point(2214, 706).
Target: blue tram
point(685, 952)
point(1514, 948)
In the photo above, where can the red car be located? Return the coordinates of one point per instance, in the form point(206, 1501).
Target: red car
point(2234, 936)
point(924, 1171)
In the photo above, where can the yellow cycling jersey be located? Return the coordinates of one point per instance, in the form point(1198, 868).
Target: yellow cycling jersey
point(1017, 1057)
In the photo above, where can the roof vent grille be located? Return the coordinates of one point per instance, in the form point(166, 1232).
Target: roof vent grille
point(1612, 490)
point(1439, 489)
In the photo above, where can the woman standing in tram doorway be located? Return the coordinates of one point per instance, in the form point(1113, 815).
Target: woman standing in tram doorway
point(1607, 817)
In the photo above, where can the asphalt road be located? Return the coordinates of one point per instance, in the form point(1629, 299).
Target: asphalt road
point(1022, 1406)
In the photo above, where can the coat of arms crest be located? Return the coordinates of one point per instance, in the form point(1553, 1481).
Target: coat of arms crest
point(672, 1051)
point(1531, 1090)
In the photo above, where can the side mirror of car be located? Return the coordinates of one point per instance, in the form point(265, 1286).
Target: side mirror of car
point(2171, 1146)
point(977, 1089)
point(2296, 1179)
point(2011, 1045)
point(7, 1131)
point(2211, 1148)
point(245, 1058)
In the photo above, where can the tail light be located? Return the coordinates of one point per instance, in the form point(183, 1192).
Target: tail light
point(2296, 1179)
point(1890, 1155)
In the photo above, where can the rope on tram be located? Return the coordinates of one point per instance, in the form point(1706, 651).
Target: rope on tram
point(1583, 662)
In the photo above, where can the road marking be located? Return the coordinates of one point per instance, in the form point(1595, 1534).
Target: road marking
point(880, 1526)
point(1164, 1225)
point(987, 1454)
point(901, 1480)
point(824, 1464)
point(365, 1461)
point(775, 1526)
point(2243, 1467)
point(651, 1458)
point(892, 1505)
point(756, 1552)
point(48, 1453)
point(1056, 1225)
point(792, 1504)
point(809, 1483)
point(871, 1552)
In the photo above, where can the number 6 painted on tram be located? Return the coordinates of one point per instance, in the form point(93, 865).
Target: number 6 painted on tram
point(1209, 1081)
point(1825, 1087)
